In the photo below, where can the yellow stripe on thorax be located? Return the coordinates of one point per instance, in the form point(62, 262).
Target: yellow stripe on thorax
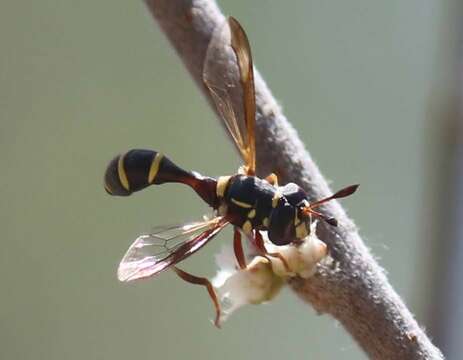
point(247, 227)
point(122, 174)
point(241, 204)
point(252, 214)
point(300, 227)
point(222, 183)
point(301, 231)
point(266, 222)
point(154, 168)
point(276, 198)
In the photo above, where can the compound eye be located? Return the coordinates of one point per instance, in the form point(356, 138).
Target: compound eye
point(281, 227)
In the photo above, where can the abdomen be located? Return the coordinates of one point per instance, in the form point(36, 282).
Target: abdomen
point(138, 169)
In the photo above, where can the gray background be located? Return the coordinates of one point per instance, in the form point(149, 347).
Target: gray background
point(366, 84)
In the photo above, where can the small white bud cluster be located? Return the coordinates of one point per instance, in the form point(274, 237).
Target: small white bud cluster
point(263, 277)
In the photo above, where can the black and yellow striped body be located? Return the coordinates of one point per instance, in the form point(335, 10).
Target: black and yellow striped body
point(248, 201)
point(253, 203)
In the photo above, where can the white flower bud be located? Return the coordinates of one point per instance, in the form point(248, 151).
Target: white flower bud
point(264, 276)
point(237, 287)
point(302, 259)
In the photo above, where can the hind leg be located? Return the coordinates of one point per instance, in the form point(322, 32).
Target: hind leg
point(196, 280)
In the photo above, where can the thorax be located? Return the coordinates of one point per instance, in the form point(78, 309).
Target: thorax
point(253, 203)
point(247, 200)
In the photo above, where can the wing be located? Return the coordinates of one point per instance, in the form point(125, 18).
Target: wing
point(231, 85)
point(166, 246)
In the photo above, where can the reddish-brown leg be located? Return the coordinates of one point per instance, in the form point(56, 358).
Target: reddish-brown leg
point(196, 280)
point(259, 242)
point(238, 249)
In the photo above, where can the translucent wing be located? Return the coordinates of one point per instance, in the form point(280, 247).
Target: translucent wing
point(231, 85)
point(166, 246)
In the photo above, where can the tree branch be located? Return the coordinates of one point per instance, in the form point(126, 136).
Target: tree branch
point(353, 287)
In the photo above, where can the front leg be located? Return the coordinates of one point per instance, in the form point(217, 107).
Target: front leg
point(259, 243)
point(238, 249)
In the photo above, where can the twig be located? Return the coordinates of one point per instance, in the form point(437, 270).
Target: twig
point(353, 287)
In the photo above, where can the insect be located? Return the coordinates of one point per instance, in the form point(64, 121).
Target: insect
point(249, 203)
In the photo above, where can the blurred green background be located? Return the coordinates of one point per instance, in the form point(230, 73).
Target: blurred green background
point(368, 85)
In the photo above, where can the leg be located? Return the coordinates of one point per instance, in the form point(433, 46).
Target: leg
point(238, 249)
point(259, 242)
point(204, 282)
point(272, 179)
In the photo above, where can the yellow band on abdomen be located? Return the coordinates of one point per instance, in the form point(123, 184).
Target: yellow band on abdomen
point(154, 168)
point(122, 174)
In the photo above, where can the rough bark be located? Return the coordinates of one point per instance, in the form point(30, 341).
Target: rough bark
point(353, 288)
